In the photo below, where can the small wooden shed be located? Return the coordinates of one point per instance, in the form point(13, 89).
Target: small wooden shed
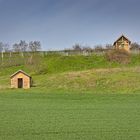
point(20, 79)
point(122, 43)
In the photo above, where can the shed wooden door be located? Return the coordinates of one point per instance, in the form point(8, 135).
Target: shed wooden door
point(20, 83)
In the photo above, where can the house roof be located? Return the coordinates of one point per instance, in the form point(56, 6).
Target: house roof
point(20, 71)
point(120, 38)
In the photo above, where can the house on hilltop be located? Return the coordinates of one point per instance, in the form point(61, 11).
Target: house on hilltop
point(20, 79)
point(122, 43)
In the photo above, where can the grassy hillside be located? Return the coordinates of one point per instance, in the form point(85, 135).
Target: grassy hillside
point(93, 74)
point(120, 80)
point(59, 63)
point(56, 63)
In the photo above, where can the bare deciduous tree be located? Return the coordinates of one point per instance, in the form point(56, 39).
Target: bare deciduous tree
point(16, 47)
point(1, 50)
point(109, 46)
point(20, 47)
point(135, 46)
point(87, 49)
point(77, 47)
point(34, 46)
point(23, 47)
point(98, 48)
point(1, 46)
point(4, 47)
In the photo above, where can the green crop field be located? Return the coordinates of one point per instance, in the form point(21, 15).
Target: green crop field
point(69, 116)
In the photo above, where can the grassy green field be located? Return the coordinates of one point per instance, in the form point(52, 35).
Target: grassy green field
point(69, 116)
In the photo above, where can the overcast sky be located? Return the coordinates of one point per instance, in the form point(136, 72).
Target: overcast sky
point(59, 24)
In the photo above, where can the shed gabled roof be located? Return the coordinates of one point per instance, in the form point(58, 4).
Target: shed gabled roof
point(20, 71)
point(121, 37)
